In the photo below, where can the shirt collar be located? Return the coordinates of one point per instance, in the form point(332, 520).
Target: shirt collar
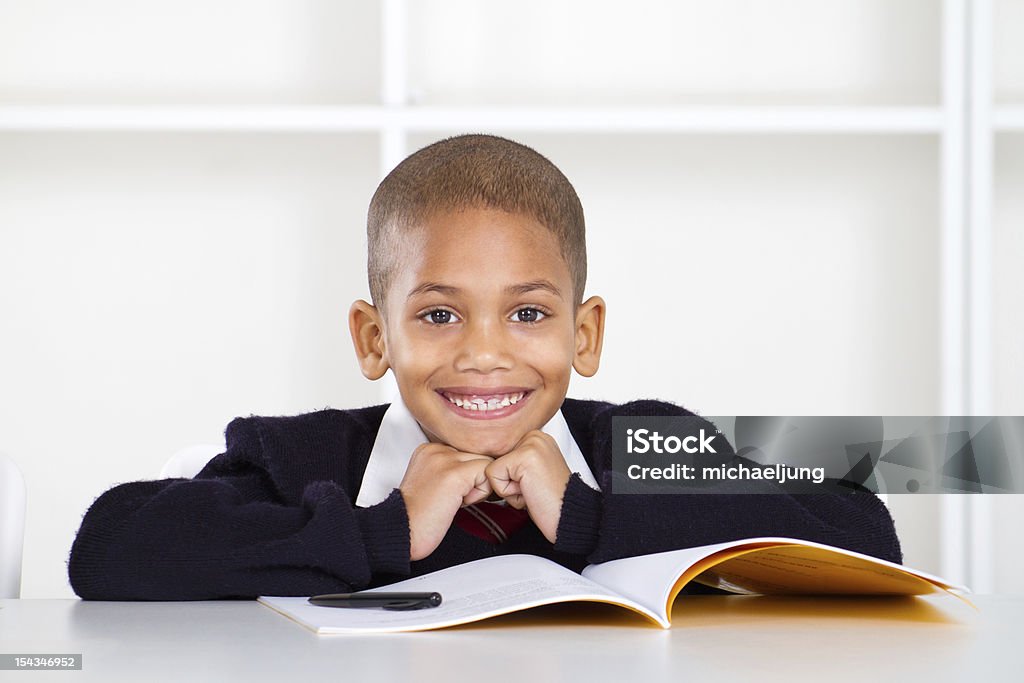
point(399, 435)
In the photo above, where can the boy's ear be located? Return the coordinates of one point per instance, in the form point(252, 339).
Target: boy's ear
point(589, 336)
point(367, 327)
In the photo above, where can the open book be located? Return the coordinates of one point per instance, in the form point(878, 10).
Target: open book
point(647, 584)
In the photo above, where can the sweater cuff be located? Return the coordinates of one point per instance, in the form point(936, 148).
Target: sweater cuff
point(385, 530)
point(580, 519)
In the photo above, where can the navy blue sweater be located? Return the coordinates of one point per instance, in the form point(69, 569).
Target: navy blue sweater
point(274, 515)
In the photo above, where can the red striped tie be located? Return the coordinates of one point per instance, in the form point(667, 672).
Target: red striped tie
point(492, 522)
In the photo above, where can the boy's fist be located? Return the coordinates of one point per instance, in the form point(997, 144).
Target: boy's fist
point(533, 475)
point(438, 481)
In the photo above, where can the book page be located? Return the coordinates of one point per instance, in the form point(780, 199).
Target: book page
point(652, 580)
point(764, 565)
point(470, 592)
point(798, 569)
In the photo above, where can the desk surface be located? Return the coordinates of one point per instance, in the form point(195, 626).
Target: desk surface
point(713, 637)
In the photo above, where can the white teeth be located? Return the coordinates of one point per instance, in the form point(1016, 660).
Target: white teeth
point(479, 404)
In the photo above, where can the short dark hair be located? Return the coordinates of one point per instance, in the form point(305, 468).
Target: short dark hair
point(472, 171)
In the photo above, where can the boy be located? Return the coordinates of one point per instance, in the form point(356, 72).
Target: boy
point(477, 265)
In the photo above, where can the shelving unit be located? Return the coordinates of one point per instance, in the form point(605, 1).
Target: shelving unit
point(961, 119)
point(614, 120)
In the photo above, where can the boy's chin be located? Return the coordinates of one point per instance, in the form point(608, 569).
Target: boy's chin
point(494, 449)
point(491, 451)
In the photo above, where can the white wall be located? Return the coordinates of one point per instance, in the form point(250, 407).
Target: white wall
point(154, 285)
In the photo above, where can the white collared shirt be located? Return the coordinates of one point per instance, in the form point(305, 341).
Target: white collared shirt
point(400, 435)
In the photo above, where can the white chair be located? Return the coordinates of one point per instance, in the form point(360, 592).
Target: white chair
point(189, 461)
point(12, 526)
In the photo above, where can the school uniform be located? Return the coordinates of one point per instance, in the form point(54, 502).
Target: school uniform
point(307, 504)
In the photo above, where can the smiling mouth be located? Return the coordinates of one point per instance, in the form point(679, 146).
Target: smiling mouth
point(484, 403)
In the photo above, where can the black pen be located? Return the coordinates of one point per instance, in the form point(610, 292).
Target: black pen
point(392, 601)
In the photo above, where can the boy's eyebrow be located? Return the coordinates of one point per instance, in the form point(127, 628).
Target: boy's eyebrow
point(532, 285)
point(518, 289)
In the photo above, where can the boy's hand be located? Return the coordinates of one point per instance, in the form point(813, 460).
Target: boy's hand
point(533, 475)
point(438, 481)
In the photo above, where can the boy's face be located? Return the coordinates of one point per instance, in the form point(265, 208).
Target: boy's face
point(480, 312)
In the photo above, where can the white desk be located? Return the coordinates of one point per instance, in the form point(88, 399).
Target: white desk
point(713, 638)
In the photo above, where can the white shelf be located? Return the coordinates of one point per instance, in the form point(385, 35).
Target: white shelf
point(1009, 118)
point(324, 119)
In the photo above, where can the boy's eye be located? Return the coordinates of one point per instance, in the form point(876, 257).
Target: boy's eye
point(529, 315)
point(438, 316)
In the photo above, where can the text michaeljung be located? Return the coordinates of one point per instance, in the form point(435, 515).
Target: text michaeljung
point(777, 473)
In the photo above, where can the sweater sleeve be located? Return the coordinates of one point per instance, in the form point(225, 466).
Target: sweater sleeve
point(225, 534)
point(606, 526)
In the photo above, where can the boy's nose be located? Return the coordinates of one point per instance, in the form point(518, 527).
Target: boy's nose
point(485, 346)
